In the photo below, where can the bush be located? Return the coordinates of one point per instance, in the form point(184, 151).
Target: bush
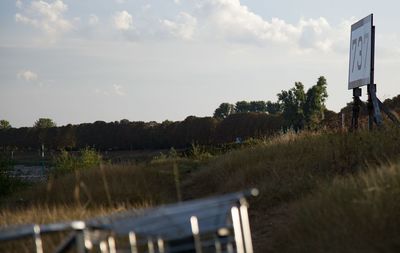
point(86, 159)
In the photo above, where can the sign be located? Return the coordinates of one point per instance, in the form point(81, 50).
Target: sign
point(361, 54)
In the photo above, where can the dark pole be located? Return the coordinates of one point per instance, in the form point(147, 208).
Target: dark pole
point(370, 85)
point(356, 108)
point(373, 106)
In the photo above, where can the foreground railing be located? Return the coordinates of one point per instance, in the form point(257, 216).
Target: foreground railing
point(217, 224)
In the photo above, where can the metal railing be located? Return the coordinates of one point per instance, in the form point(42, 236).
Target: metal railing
point(218, 224)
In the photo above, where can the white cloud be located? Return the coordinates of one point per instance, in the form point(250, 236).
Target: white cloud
point(118, 90)
point(123, 21)
point(93, 20)
point(120, 1)
point(236, 21)
point(47, 16)
point(184, 27)
point(28, 75)
point(233, 21)
point(18, 4)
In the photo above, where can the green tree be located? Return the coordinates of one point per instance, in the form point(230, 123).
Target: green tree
point(242, 106)
point(4, 124)
point(273, 108)
point(314, 106)
point(44, 123)
point(224, 110)
point(258, 106)
point(293, 102)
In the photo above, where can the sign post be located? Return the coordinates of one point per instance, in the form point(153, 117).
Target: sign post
point(361, 70)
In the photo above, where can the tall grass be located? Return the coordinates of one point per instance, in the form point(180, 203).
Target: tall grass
point(287, 169)
point(290, 166)
point(358, 213)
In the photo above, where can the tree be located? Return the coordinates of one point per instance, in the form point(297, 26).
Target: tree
point(314, 106)
point(224, 110)
point(44, 123)
point(242, 106)
point(273, 108)
point(258, 106)
point(4, 124)
point(293, 102)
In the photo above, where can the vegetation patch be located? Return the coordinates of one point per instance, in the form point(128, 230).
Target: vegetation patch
point(358, 213)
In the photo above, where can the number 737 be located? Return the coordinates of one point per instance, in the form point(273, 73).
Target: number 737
point(360, 49)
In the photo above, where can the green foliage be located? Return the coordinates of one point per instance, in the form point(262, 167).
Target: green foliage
point(44, 123)
point(315, 104)
point(199, 153)
point(89, 159)
point(86, 159)
point(302, 109)
point(242, 106)
point(258, 106)
point(293, 102)
point(224, 110)
point(4, 124)
point(273, 108)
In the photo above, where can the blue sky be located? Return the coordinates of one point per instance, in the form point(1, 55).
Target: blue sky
point(80, 61)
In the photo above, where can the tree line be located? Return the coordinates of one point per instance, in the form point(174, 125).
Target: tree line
point(127, 135)
point(294, 109)
point(299, 108)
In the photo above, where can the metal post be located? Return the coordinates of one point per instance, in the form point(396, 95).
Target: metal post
point(133, 242)
point(38, 239)
point(356, 108)
point(112, 245)
point(103, 247)
point(195, 231)
point(79, 227)
point(373, 106)
point(246, 228)
point(150, 245)
point(377, 117)
point(237, 230)
point(160, 245)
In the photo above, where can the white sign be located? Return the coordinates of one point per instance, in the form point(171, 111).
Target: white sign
point(360, 53)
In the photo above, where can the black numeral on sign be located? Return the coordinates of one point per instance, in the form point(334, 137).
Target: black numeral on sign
point(360, 51)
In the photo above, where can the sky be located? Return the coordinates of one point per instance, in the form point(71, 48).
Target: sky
point(79, 61)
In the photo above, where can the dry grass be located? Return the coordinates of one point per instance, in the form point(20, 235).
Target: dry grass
point(85, 194)
point(287, 169)
point(110, 185)
point(290, 166)
point(357, 213)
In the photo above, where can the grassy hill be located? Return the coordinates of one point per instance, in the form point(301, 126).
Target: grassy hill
point(320, 192)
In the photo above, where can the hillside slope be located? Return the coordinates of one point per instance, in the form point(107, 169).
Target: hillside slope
point(308, 182)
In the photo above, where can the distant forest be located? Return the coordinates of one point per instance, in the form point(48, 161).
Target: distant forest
point(294, 110)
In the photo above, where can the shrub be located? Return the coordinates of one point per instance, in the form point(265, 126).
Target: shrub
point(67, 162)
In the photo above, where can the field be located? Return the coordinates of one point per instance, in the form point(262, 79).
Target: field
point(320, 191)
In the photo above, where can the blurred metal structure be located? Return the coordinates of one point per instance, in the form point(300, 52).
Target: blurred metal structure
point(218, 224)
